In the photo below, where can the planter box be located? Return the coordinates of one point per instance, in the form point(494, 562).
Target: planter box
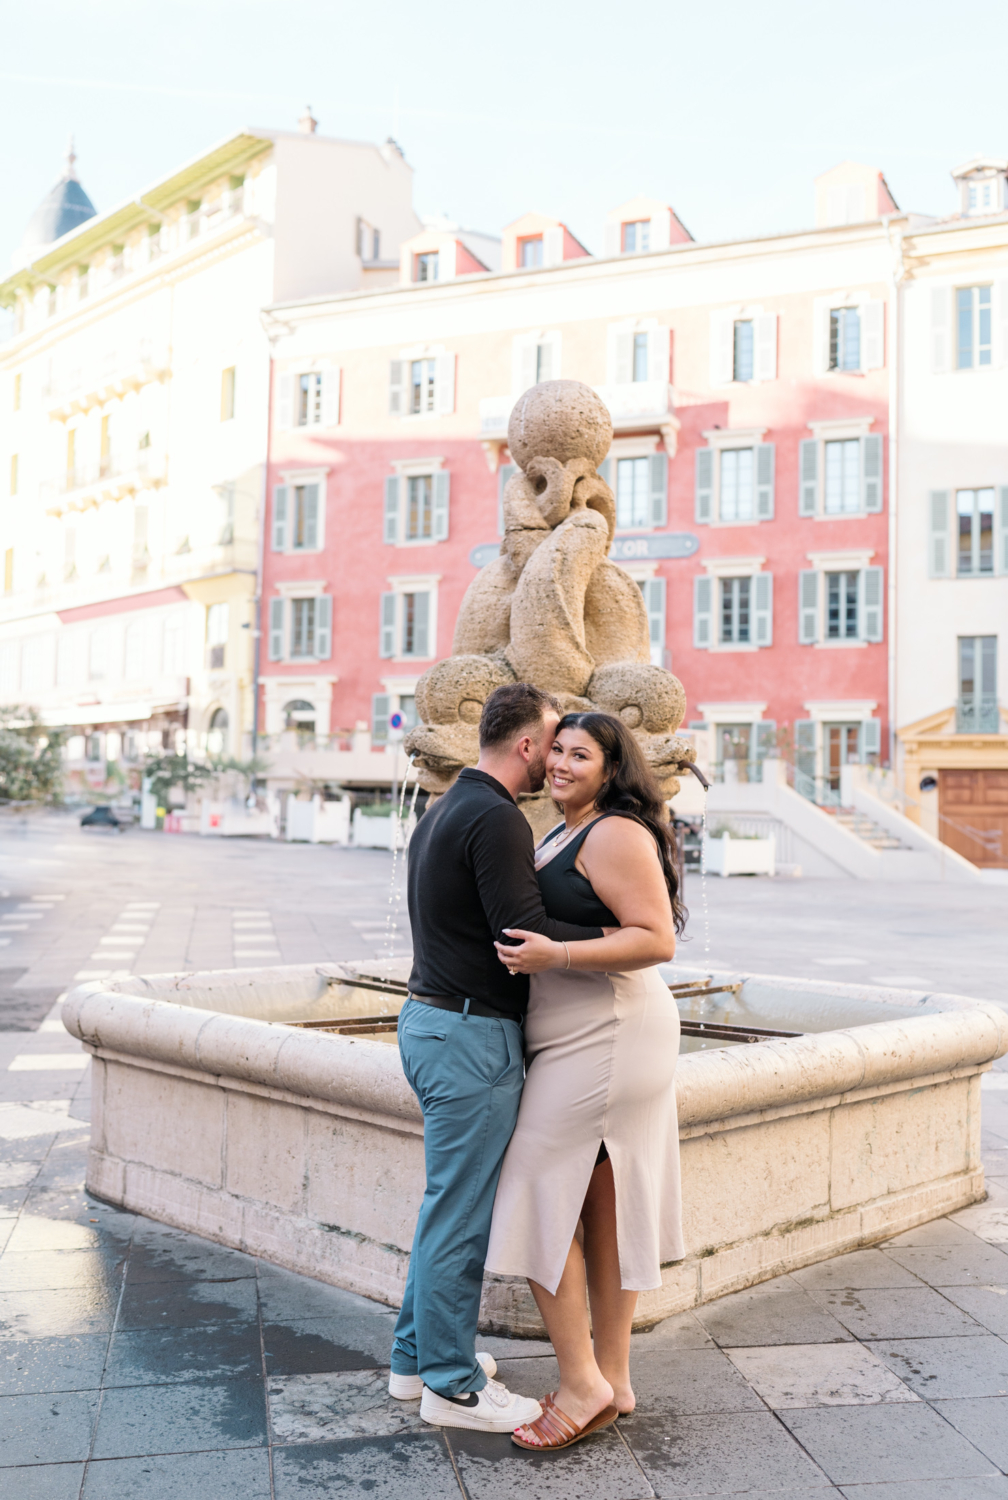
point(378, 833)
point(317, 821)
point(306, 1147)
point(235, 820)
point(728, 856)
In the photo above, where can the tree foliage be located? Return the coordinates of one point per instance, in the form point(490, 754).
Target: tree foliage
point(31, 765)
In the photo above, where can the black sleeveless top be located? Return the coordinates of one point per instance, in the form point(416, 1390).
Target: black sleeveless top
point(568, 895)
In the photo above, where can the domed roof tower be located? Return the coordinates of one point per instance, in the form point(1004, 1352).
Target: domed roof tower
point(61, 210)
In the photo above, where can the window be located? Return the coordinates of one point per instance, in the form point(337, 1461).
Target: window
point(842, 480)
point(406, 624)
point(534, 357)
point(640, 356)
point(227, 395)
point(735, 610)
point(174, 645)
point(14, 474)
point(544, 362)
point(633, 492)
point(309, 401)
point(216, 635)
point(977, 709)
point(17, 393)
point(636, 236)
point(654, 590)
point(737, 484)
point(425, 267)
point(845, 338)
point(530, 253)
point(973, 327)
point(842, 606)
point(298, 517)
point(217, 733)
point(743, 351)
point(423, 383)
point(975, 514)
point(416, 508)
point(300, 629)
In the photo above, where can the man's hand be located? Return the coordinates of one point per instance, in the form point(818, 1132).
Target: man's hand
point(532, 954)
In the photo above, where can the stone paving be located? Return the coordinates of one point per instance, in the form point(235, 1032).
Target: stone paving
point(137, 1361)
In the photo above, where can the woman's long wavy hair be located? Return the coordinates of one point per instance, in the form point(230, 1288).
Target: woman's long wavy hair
point(631, 790)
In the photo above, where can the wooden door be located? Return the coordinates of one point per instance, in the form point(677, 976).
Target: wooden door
point(973, 815)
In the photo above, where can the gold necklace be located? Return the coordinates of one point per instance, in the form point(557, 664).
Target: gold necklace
point(559, 843)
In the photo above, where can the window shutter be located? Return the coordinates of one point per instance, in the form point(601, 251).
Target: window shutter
point(805, 753)
point(311, 517)
point(623, 356)
point(323, 627)
point(765, 347)
point(544, 356)
point(276, 630)
point(285, 401)
point(871, 604)
point(653, 590)
point(763, 609)
point(379, 718)
point(703, 598)
point(390, 528)
point(553, 243)
point(808, 472)
point(764, 481)
point(820, 336)
point(872, 335)
point(939, 559)
point(421, 624)
point(660, 237)
point(704, 492)
point(808, 607)
point(280, 495)
point(658, 354)
point(659, 489)
point(386, 646)
point(766, 738)
point(612, 239)
point(397, 393)
point(440, 485)
point(444, 393)
point(871, 471)
point(525, 365)
point(1002, 550)
point(503, 475)
point(871, 737)
point(722, 349)
point(330, 402)
point(941, 329)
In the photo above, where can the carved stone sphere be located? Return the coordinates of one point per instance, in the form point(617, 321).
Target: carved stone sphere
point(560, 419)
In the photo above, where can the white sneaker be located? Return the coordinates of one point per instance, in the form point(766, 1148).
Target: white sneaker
point(493, 1409)
point(410, 1387)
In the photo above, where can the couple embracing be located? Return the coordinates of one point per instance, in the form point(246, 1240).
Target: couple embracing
point(541, 1042)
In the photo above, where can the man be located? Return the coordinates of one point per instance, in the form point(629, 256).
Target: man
point(471, 874)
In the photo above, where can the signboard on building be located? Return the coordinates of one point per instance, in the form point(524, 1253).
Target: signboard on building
point(633, 548)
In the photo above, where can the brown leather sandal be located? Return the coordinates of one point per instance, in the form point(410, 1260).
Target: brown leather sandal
point(556, 1430)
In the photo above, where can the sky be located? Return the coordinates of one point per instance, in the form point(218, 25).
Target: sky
point(727, 111)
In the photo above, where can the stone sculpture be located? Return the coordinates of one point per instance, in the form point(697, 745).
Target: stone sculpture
point(552, 609)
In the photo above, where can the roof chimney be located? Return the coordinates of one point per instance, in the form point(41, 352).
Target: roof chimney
point(307, 123)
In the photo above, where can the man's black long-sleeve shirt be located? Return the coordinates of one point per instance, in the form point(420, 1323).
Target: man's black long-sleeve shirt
point(471, 874)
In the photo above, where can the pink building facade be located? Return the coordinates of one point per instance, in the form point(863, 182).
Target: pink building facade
point(748, 384)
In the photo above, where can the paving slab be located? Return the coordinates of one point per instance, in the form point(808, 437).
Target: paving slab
point(777, 1312)
point(49, 1481)
point(984, 1423)
point(186, 1304)
point(338, 1405)
point(857, 1270)
point(898, 1312)
point(161, 1254)
point(686, 1382)
point(986, 1304)
point(991, 1487)
point(50, 1270)
point(46, 1429)
point(953, 1265)
point(415, 1466)
point(210, 1351)
point(942, 1368)
point(314, 1346)
point(33, 1366)
point(988, 1220)
point(140, 1420)
point(796, 1375)
point(61, 1313)
point(684, 1331)
point(934, 1232)
point(705, 1455)
point(493, 1468)
point(229, 1474)
point(874, 1444)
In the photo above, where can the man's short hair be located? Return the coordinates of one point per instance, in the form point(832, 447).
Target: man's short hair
point(512, 709)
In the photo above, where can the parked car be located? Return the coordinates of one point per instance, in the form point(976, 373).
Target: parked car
point(101, 817)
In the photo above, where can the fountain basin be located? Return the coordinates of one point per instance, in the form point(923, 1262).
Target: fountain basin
point(211, 1112)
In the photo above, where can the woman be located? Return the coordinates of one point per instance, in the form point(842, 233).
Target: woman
point(596, 1147)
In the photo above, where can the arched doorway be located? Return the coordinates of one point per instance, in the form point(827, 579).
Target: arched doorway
point(299, 714)
point(217, 733)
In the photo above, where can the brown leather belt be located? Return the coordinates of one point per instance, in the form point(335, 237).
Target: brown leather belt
point(458, 1005)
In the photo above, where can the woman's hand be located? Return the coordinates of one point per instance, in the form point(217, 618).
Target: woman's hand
point(532, 954)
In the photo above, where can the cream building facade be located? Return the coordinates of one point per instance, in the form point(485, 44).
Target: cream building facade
point(134, 398)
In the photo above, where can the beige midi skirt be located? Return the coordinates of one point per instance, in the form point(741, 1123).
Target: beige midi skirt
point(601, 1051)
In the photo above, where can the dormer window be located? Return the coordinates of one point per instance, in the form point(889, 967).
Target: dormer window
point(530, 253)
point(425, 267)
point(636, 237)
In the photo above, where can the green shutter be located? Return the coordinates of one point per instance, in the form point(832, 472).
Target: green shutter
point(704, 490)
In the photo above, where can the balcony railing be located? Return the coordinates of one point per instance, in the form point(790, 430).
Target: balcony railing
point(115, 373)
point(977, 714)
point(117, 472)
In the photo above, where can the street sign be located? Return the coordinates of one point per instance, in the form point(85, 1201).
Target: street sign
point(633, 548)
point(396, 726)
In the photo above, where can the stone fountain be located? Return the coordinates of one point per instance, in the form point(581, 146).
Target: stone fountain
point(552, 609)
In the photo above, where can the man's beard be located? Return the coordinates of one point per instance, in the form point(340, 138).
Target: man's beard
point(537, 772)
